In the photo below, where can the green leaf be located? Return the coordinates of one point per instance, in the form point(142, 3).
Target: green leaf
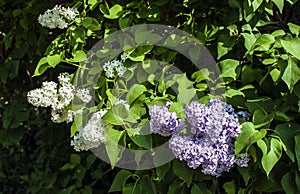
point(271, 153)
point(291, 74)
point(228, 68)
point(261, 119)
point(297, 180)
point(79, 56)
point(278, 33)
point(286, 132)
point(161, 171)
point(256, 4)
point(288, 183)
point(114, 12)
point(265, 104)
point(174, 187)
point(91, 23)
point(134, 92)
point(248, 137)
point(75, 159)
point(132, 188)
point(279, 4)
point(246, 173)
point(144, 141)
point(93, 3)
point(200, 188)
point(113, 118)
point(177, 108)
point(201, 75)
point(147, 185)
point(297, 148)
point(41, 67)
point(229, 187)
point(249, 40)
point(186, 96)
point(138, 110)
point(225, 44)
point(11, 136)
point(14, 114)
point(66, 166)
point(104, 8)
point(295, 29)
point(120, 180)
point(263, 43)
point(234, 3)
point(183, 171)
point(265, 185)
point(292, 46)
point(194, 53)
point(183, 82)
point(275, 74)
point(77, 124)
point(90, 160)
point(113, 149)
point(53, 60)
point(125, 22)
point(250, 74)
point(232, 92)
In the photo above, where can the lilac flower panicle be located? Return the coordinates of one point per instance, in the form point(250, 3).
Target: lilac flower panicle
point(197, 116)
point(57, 17)
point(57, 96)
point(214, 129)
point(163, 122)
point(116, 66)
point(92, 134)
point(196, 152)
point(212, 120)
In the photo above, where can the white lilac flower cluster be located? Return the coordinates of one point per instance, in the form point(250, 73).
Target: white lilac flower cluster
point(58, 97)
point(211, 144)
point(92, 134)
point(115, 66)
point(57, 17)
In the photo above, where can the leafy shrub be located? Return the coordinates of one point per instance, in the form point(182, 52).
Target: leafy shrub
point(255, 44)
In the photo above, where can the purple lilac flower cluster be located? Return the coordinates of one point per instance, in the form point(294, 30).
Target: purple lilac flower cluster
point(243, 114)
point(163, 122)
point(211, 145)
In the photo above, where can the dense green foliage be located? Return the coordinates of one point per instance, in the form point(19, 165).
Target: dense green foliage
point(255, 42)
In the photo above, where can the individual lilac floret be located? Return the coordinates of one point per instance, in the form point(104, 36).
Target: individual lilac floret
point(163, 122)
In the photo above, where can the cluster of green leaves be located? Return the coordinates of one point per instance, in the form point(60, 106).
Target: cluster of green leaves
point(256, 44)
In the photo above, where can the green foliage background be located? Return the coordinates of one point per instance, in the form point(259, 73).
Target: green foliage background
point(255, 42)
